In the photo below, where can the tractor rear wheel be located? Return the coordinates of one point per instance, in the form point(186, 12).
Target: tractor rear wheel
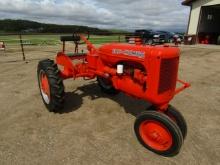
point(158, 133)
point(178, 118)
point(51, 85)
point(106, 86)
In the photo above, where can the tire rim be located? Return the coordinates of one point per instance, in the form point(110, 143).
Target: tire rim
point(44, 87)
point(156, 135)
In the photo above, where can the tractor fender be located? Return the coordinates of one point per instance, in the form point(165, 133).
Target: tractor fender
point(66, 66)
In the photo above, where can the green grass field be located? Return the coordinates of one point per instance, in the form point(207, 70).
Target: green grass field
point(54, 39)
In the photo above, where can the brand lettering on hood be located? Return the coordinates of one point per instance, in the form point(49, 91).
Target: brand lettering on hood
point(135, 53)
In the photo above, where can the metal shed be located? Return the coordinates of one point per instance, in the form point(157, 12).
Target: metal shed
point(204, 21)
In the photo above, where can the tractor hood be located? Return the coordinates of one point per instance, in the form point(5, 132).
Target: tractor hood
point(115, 53)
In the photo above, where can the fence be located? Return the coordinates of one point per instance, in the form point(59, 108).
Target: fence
point(38, 46)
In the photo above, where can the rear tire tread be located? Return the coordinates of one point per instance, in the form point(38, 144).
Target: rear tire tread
point(57, 94)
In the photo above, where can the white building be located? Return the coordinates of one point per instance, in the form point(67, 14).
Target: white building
point(204, 21)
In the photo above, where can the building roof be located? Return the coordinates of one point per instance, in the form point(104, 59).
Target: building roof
point(187, 2)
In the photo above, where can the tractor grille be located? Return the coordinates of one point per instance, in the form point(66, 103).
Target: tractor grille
point(168, 74)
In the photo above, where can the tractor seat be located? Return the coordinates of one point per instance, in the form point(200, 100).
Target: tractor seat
point(75, 38)
point(75, 54)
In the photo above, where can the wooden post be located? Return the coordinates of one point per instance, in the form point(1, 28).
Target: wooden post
point(63, 46)
point(22, 47)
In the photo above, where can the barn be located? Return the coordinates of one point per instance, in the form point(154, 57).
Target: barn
point(204, 22)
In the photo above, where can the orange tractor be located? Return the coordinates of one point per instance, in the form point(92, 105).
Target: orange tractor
point(142, 71)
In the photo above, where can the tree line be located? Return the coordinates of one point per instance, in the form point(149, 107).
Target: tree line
point(25, 26)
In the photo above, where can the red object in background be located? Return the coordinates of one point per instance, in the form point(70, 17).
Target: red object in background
point(205, 39)
point(2, 45)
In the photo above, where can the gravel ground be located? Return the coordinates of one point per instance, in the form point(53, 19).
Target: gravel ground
point(95, 128)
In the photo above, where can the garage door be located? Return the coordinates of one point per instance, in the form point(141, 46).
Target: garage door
point(209, 26)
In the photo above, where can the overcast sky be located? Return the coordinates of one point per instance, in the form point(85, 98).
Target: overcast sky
point(116, 14)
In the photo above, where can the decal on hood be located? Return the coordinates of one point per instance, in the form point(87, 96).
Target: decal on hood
point(135, 53)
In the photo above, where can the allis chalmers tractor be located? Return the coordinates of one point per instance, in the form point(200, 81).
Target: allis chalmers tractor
point(143, 71)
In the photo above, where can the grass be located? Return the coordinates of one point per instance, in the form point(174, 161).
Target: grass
point(106, 39)
point(54, 39)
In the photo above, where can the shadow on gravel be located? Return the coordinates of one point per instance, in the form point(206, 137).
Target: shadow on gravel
point(74, 99)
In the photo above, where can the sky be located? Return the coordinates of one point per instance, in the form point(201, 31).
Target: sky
point(107, 14)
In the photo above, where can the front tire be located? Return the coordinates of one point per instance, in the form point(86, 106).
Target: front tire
point(178, 118)
point(50, 85)
point(158, 133)
point(106, 86)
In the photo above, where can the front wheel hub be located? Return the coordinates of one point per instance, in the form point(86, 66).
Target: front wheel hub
point(45, 87)
point(156, 135)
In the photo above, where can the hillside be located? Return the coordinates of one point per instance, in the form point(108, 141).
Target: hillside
point(24, 26)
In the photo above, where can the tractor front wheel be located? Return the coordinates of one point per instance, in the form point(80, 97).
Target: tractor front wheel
point(158, 133)
point(106, 86)
point(51, 85)
point(178, 118)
